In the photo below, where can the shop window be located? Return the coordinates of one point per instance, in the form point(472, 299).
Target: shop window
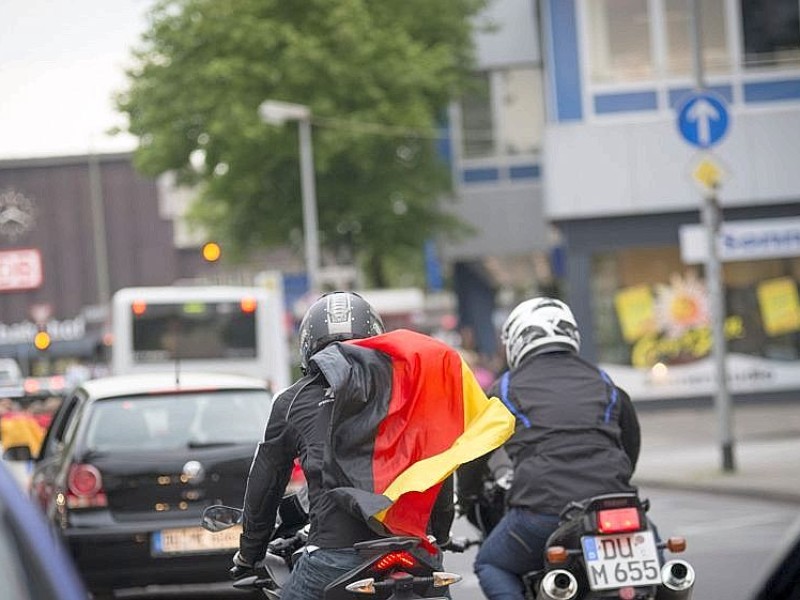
point(650, 309)
point(503, 113)
point(680, 42)
point(771, 31)
point(619, 40)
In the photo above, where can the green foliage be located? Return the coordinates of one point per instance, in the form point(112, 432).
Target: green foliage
point(205, 66)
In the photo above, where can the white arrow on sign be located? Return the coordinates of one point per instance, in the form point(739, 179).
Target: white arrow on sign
point(702, 113)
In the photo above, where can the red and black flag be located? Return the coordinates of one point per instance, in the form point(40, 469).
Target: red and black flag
point(407, 412)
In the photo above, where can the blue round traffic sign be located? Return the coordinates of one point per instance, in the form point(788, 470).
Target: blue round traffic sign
point(703, 119)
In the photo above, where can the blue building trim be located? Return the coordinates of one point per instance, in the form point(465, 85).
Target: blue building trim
point(677, 95)
point(525, 172)
point(771, 91)
point(481, 175)
point(627, 102)
point(564, 60)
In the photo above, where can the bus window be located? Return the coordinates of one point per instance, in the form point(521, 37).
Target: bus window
point(196, 330)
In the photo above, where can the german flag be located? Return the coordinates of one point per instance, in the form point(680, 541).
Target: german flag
point(407, 412)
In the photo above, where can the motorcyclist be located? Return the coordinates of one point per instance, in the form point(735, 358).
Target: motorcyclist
point(576, 435)
point(298, 427)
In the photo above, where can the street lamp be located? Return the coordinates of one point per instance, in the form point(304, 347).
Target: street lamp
point(277, 113)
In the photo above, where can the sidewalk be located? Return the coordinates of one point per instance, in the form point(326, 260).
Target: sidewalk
point(681, 449)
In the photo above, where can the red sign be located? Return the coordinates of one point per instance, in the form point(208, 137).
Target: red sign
point(20, 269)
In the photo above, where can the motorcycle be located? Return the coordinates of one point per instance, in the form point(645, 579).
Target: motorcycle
point(484, 510)
point(605, 547)
point(395, 568)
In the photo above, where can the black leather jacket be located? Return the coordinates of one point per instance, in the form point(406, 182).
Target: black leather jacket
point(577, 434)
point(298, 427)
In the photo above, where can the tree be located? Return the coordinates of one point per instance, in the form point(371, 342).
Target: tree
point(204, 66)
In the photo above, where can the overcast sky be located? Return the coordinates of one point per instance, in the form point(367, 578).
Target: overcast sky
point(60, 63)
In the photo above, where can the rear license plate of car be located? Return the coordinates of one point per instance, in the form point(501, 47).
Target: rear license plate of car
point(194, 540)
point(628, 559)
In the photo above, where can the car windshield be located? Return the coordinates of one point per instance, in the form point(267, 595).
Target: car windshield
point(161, 422)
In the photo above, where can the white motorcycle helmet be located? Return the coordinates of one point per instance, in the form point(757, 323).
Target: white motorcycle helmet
point(543, 324)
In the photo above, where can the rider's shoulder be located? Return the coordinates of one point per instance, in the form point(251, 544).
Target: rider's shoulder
point(288, 394)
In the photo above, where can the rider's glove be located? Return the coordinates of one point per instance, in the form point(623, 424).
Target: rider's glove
point(241, 567)
point(455, 544)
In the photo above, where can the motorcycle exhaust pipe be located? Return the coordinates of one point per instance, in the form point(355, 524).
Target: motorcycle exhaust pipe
point(558, 584)
point(677, 578)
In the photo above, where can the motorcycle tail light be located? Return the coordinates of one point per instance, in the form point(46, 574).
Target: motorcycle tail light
point(85, 487)
point(395, 559)
point(618, 520)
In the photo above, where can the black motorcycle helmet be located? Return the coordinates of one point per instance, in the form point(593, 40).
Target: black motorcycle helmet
point(335, 317)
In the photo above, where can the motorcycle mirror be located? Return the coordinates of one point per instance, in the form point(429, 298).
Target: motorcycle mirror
point(219, 517)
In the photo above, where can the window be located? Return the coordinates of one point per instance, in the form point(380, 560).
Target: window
point(651, 308)
point(619, 40)
point(771, 33)
point(680, 42)
point(476, 118)
point(503, 113)
point(193, 330)
point(164, 422)
point(624, 45)
point(522, 111)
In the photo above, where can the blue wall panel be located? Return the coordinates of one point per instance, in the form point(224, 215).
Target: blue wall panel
point(770, 91)
point(564, 63)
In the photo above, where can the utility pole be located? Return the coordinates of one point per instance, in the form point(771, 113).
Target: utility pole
point(716, 294)
point(99, 230)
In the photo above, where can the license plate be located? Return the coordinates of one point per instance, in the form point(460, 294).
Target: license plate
point(194, 540)
point(628, 559)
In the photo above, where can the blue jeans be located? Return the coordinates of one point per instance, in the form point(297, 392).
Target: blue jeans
point(513, 548)
point(315, 570)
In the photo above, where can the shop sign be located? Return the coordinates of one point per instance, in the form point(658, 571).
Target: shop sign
point(67, 330)
point(780, 306)
point(20, 269)
point(746, 374)
point(756, 239)
point(17, 214)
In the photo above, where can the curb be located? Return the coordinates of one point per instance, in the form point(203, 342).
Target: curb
point(728, 490)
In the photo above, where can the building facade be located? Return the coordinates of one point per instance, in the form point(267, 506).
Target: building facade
point(73, 230)
point(624, 186)
point(497, 131)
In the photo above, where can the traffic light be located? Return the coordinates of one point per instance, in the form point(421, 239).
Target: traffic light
point(211, 251)
point(41, 341)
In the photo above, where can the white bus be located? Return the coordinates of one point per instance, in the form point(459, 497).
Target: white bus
point(201, 328)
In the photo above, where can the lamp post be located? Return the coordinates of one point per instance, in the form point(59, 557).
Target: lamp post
point(277, 113)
